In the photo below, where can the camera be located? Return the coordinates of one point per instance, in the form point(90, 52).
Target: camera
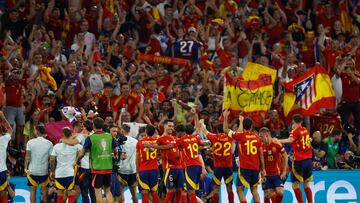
point(121, 139)
point(349, 129)
point(354, 160)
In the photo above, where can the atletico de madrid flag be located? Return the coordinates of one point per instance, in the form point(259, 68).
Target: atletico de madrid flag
point(308, 93)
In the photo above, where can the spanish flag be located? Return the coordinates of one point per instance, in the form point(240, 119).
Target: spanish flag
point(308, 93)
point(45, 76)
point(345, 19)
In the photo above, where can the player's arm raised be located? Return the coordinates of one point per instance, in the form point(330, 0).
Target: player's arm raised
point(226, 113)
point(196, 120)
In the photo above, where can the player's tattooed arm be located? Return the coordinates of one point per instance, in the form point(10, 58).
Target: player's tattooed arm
point(52, 164)
point(27, 162)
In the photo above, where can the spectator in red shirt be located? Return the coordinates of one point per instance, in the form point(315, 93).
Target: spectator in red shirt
point(327, 18)
point(350, 101)
point(152, 93)
point(126, 103)
point(105, 100)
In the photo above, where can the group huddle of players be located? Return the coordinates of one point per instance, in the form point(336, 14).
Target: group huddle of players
point(260, 155)
point(262, 160)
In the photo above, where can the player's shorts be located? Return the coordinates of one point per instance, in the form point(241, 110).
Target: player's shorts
point(81, 175)
point(101, 180)
point(148, 180)
point(301, 171)
point(3, 180)
point(115, 185)
point(248, 178)
point(66, 183)
point(222, 172)
point(271, 182)
point(128, 179)
point(174, 178)
point(41, 181)
point(192, 177)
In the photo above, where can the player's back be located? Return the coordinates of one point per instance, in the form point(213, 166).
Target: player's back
point(249, 149)
point(147, 157)
point(189, 145)
point(301, 144)
point(222, 149)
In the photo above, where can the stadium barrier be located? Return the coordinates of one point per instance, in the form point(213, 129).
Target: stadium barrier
point(333, 186)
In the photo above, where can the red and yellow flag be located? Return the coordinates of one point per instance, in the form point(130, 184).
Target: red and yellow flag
point(308, 93)
point(252, 93)
point(345, 18)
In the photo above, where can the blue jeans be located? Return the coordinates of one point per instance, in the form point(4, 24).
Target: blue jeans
point(85, 186)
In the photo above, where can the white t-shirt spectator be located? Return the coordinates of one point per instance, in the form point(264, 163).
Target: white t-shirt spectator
point(89, 41)
point(4, 141)
point(65, 157)
point(85, 161)
point(337, 85)
point(128, 166)
point(134, 128)
point(40, 150)
point(96, 83)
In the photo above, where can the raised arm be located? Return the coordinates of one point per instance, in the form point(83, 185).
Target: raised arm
point(226, 122)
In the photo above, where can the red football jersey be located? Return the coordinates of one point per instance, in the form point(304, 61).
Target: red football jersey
point(147, 158)
point(249, 149)
point(272, 157)
point(325, 123)
point(222, 153)
point(301, 144)
point(189, 145)
point(171, 158)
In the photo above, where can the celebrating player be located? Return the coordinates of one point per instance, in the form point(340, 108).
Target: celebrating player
point(83, 178)
point(4, 141)
point(193, 161)
point(172, 163)
point(223, 164)
point(127, 167)
point(302, 161)
point(275, 157)
point(38, 151)
point(250, 157)
point(147, 166)
point(61, 163)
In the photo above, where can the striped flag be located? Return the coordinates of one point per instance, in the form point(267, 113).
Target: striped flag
point(308, 93)
point(305, 92)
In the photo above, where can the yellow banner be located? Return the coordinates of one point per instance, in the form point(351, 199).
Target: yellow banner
point(242, 99)
point(253, 70)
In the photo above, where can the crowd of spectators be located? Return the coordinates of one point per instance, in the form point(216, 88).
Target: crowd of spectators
point(91, 48)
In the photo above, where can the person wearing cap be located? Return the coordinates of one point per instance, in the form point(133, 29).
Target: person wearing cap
point(38, 151)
